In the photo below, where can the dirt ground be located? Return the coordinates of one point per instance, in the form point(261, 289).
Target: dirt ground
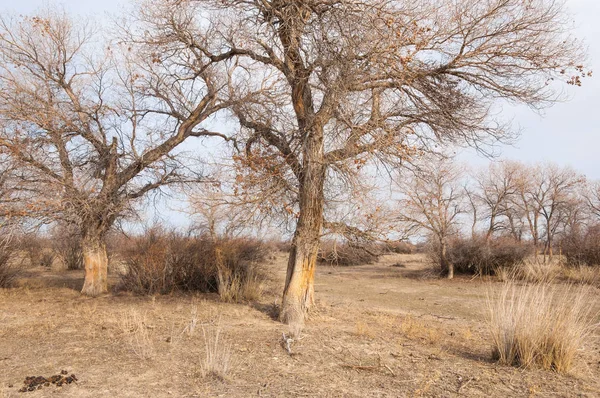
point(390, 329)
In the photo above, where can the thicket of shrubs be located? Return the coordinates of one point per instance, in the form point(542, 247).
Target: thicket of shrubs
point(478, 256)
point(583, 248)
point(160, 263)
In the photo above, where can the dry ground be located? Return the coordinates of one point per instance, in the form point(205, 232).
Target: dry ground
point(385, 330)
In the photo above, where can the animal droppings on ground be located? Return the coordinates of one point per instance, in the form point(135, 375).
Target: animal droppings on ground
point(33, 383)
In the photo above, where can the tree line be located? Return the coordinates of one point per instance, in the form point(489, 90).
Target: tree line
point(541, 204)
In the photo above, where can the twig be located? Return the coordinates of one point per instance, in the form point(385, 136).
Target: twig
point(461, 385)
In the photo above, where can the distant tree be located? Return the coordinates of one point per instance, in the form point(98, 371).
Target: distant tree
point(344, 84)
point(556, 196)
point(90, 132)
point(592, 197)
point(495, 190)
point(432, 201)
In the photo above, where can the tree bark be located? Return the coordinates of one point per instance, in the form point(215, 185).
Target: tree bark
point(95, 260)
point(447, 266)
point(298, 294)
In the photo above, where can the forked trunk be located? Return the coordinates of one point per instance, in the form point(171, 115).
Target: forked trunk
point(95, 261)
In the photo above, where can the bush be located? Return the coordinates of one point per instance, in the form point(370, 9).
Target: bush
point(345, 254)
point(538, 325)
point(33, 245)
point(8, 270)
point(476, 256)
point(400, 247)
point(160, 263)
point(47, 258)
point(69, 251)
point(583, 248)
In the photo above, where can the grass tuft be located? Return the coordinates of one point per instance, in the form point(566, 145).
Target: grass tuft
point(218, 359)
point(539, 325)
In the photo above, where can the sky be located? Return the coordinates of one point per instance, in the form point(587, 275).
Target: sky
point(567, 133)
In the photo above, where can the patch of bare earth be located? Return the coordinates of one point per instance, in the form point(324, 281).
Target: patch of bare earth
point(389, 329)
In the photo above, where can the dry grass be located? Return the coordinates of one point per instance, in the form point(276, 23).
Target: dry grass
point(218, 360)
point(414, 329)
point(137, 334)
point(539, 325)
point(537, 271)
point(235, 288)
point(582, 274)
point(363, 330)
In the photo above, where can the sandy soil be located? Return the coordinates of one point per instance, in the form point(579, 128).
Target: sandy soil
point(389, 329)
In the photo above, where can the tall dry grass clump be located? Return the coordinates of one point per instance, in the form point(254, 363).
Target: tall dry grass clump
point(539, 325)
point(218, 360)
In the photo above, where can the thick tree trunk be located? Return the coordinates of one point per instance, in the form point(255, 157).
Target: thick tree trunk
point(298, 294)
point(95, 260)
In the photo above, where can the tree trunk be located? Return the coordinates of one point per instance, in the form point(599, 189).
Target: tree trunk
point(447, 266)
point(298, 294)
point(95, 260)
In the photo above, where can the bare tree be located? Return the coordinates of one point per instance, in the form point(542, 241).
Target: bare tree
point(341, 84)
point(592, 196)
point(496, 188)
point(90, 136)
point(433, 200)
point(555, 196)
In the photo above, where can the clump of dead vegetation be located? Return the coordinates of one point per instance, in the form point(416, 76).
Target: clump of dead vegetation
point(348, 254)
point(582, 248)
point(9, 271)
point(539, 324)
point(161, 262)
point(485, 257)
point(218, 360)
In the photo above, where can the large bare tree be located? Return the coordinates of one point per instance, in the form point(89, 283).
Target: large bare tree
point(91, 127)
point(345, 83)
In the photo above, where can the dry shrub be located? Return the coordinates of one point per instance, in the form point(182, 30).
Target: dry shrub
point(400, 247)
point(539, 325)
point(283, 246)
point(346, 254)
point(583, 248)
point(478, 256)
point(9, 271)
point(66, 242)
point(33, 246)
point(160, 263)
point(47, 258)
point(218, 359)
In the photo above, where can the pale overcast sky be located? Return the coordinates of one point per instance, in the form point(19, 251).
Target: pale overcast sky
point(567, 133)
